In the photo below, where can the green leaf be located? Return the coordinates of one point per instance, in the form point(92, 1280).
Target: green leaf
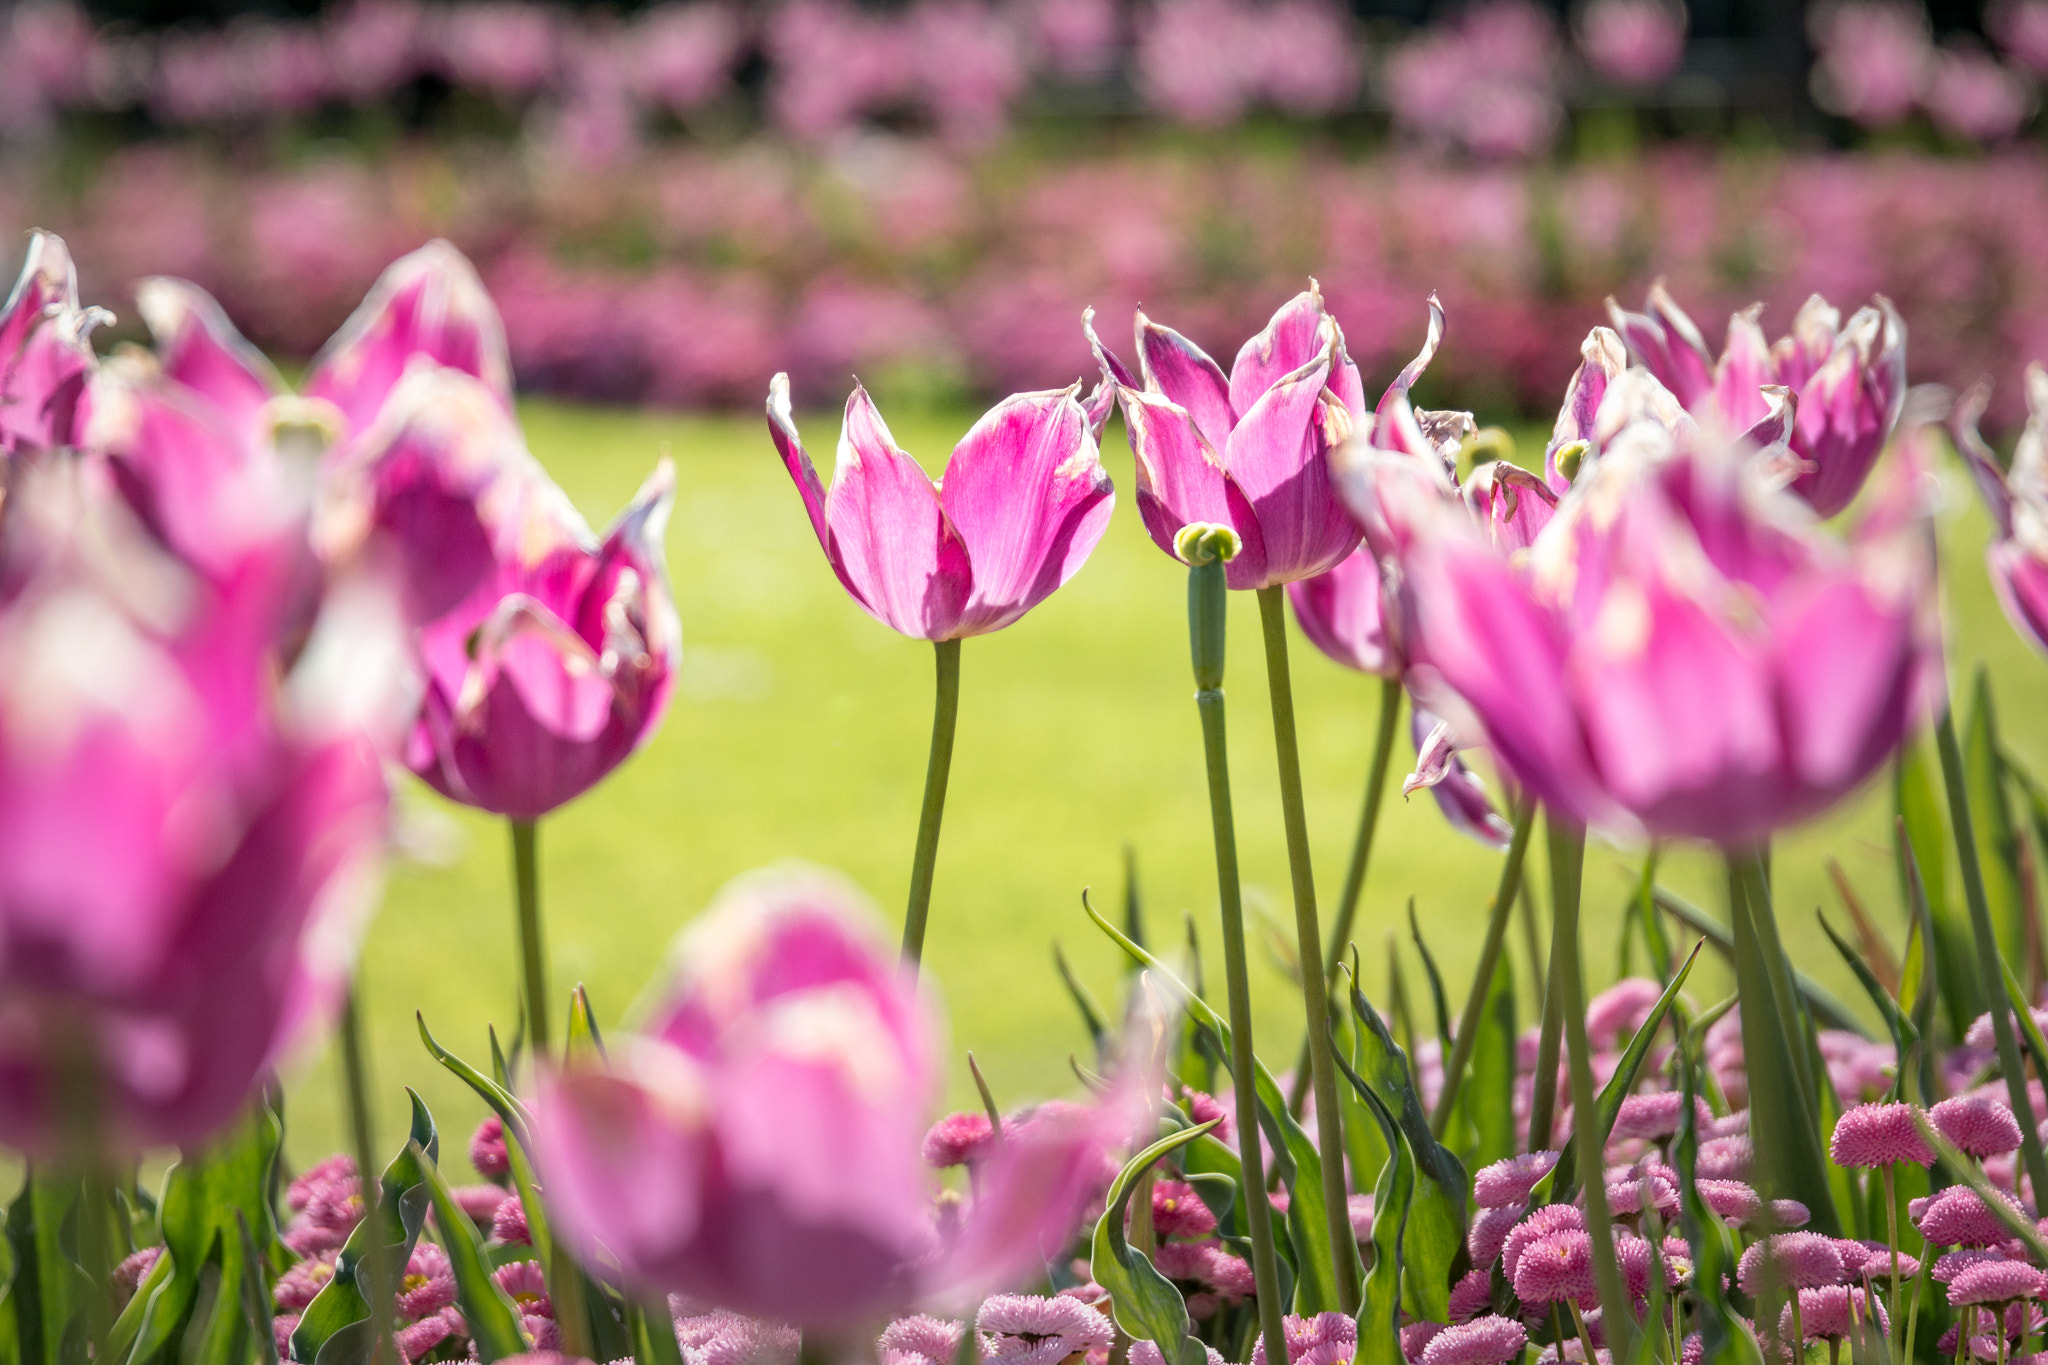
point(584, 1040)
point(653, 1333)
point(257, 1309)
point(1997, 838)
point(1488, 1094)
point(1927, 840)
point(1365, 1147)
point(1379, 1311)
point(1562, 1182)
point(335, 1329)
point(1091, 1013)
point(1144, 1302)
point(1725, 1338)
point(1436, 982)
point(48, 1288)
point(493, 1323)
point(1825, 1008)
point(1904, 1035)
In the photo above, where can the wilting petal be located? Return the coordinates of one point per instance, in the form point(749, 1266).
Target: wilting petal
point(898, 548)
point(1778, 418)
point(1665, 341)
point(1602, 359)
point(1183, 373)
point(1278, 456)
point(1341, 613)
point(1743, 370)
point(1459, 793)
point(1298, 335)
point(1181, 481)
point(1102, 398)
point(428, 306)
point(1026, 491)
point(199, 348)
point(43, 382)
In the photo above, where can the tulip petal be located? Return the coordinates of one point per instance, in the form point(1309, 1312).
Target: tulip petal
point(1514, 504)
point(428, 305)
point(1602, 359)
point(1743, 370)
point(1183, 373)
point(901, 554)
point(1977, 454)
point(1845, 681)
point(1459, 793)
point(1027, 492)
point(199, 348)
point(631, 574)
point(1278, 456)
point(48, 283)
point(1396, 396)
point(1297, 335)
point(1665, 341)
point(1181, 481)
point(1115, 375)
point(1341, 613)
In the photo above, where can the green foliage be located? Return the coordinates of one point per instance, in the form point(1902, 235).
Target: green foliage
point(1144, 1302)
point(493, 1321)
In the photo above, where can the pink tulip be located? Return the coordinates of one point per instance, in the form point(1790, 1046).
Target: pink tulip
point(44, 355)
point(758, 1146)
point(549, 654)
point(1849, 382)
point(1342, 614)
point(190, 806)
point(2017, 499)
point(1247, 451)
point(1020, 507)
point(1680, 650)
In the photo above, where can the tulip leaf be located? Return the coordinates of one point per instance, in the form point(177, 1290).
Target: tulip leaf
point(584, 1039)
point(1488, 1094)
point(1436, 982)
point(1997, 838)
point(1904, 1035)
point(1819, 1000)
point(1091, 1013)
point(1725, 1339)
point(1563, 1179)
point(1927, 840)
point(1433, 1235)
point(257, 1308)
point(2024, 1024)
point(1144, 1302)
point(653, 1334)
point(335, 1329)
point(46, 1295)
point(1365, 1145)
point(493, 1323)
point(1379, 1311)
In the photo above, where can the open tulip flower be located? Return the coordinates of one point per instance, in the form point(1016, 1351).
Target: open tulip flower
point(1849, 382)
point(759, 1145)
point(45, 357)
point(2017, 499)
point(1021, 505)
point(190, 797)
point(1680, 650)
point(549, 654)
point(1248, 450)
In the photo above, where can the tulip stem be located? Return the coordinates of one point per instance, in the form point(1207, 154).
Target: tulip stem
point(1564, 928)
point(355, 1076)
point(945, 710)
point(1567, 840)
point(532, 949)
point(1315, 989)
point(1988, 960)
point(1489, 962)
point(1207, 611)
point(1361, 855)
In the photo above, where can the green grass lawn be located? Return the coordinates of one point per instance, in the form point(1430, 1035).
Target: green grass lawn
point(799, 731)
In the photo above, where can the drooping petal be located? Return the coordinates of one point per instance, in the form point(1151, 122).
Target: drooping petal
point(1115, 374)
point(1027, 493)
point(1297, 335)
point(1397, 392)
point(1459, 793)
point(428, 306)
point(1278, 456)
point(199, 348)
point(1341, 612)
point(1183, 373)
point(1181, 480)
point(900, 552)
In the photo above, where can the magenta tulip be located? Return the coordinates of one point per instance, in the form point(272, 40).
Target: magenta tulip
point(189, 803)
point(1245, 451)
point(45, 358)
point(1342, 613)
point(1680, 651)
point(758, 1147)
point(2017, 499)
point(1849, 382)
point(1019, 509)
point(549, 654)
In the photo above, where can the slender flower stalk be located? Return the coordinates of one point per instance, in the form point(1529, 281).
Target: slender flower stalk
point(1564, 928)
point(945, 711)
point(532, 946)
point(1489, 960)
point(1206, 549)
point(1567, 839)
point(355, 1078)
point(1988, 968)
point(1368, 823)
point(1315, 991)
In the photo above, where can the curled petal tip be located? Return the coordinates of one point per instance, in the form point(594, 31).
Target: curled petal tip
point(1200, 542)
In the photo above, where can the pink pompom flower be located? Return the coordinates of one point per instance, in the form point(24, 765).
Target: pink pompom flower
point(958, 1139)
point(1981, 1126)
point(1995, 1282)
point(1490, 1340)
point(1878, 1135)
point(1797, 1260)
point(1025, 1329)
point(1556, 1267)
point(1508, 1182)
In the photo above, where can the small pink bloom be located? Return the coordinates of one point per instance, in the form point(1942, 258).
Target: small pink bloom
point(958, 1139)
point(920, 1340)
point(1730, 1199)
point(297, 1286)
point(480, 1202)
point(1541, 1223)
point(1649, 1117)
point(1953, 1263)
point(1325, 1339)
point(526, 1284)
point(1633, 42)
point(1509, 1181)
point(1878, 1135)
point(720, 1337)
point(1614, 1015)
point(1025, 1329)
point(1980, 1126)
point(1415, 1339)
point(1725, 1158)
point(1471, 1295)
point(1996, 1282)
point(1835, 1311)
point(1177, 1211)
point(428, 1284)
point(1958, 1217)
point(487, 1150)
point(1021, 505)
point(1148, 1352)
point(1796, 1260)
point(1558, 1266)
point(508, 1223)
point(1788, 1213)
point(1489, 1232)
point(1489, 1340)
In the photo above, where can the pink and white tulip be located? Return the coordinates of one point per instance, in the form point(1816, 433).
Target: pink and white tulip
point(2017, 499)
point(1246, 450)
point(1020, 507)
point(1848, 382)
point(45, 358)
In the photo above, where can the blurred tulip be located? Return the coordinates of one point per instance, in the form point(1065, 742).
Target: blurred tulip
point(1341, 613)
point(549, 654)
point(2017, 499)
point(758, 1146)
point(45, 358)
point(191, 808)
point(1681, 651)
point(1633, 42)
point(1020, 507)
point(1459, 793)
point(1848, 382)
point(1247, 451)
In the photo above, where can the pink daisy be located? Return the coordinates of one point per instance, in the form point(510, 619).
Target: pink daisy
point(1996, 1282)
point(1025, 1329)
point(1489, 1231)
point(920, 1340)
point(1725, 1158)
point(487, 1150)
point(1471, 1295)
point(1510, 1181)
point(1325, 1339)
point(1799, 1260)
point(1957, 1217)
point(1730, 1199)
point(1539, 1224)
point(1832, 1312)
point(958, 1139)
point(1878, 1135)
point(1491, 1340)
point(1177, 1211)
point(1556, 1267)
point(1980, 1126)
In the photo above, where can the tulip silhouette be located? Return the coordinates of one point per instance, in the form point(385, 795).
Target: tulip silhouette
point(1021, 505)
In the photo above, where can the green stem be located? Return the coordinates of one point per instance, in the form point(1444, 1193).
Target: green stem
point(78, 1101)
point(1532, 941)
point(1567, 840)
point(1206, 615)
point(1564, 927)
point(1315, 990)
point(355, 1076)
point(1988, 969)
point(1361, 857)
point(938, 770)
point(532, 948)
point(1489, 960)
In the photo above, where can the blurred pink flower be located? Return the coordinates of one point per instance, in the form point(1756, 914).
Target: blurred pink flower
point(684, 53)
point(2021, 29)
point(505, 47)
point(1875, 59)
point(1633, 42)
point(1199, 60)
point(1077, 37)
point(2017, 500)
point(1972, 95)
